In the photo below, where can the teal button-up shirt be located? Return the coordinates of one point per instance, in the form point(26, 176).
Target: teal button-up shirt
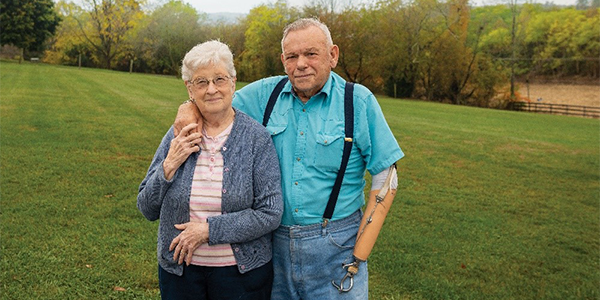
point(309, 139)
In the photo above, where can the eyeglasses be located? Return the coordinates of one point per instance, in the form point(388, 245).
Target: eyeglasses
point(202, 83)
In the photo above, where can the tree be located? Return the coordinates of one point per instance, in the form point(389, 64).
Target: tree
point(351, 30)
point(108, 26)
point(27, 24)
point(405, 33)
point(455, 61)
point(565, 48)
point(231, 34)
point(68, 46)
point(261, 56)
point(169, 32)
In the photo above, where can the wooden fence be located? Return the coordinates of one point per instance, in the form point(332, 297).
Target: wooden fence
point(560, 109)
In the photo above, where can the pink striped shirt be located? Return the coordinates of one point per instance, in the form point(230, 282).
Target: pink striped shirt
point(205, 198)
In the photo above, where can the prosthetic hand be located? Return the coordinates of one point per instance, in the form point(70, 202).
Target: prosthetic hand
point(377, 208)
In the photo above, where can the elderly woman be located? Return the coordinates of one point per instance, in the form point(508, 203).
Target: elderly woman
point(216, 192)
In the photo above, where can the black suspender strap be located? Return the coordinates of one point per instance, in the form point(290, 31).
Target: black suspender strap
point(349, 133)
point(272, 100)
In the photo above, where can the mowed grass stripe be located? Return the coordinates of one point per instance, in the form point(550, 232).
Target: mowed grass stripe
point(492, 204)
point(495, 190)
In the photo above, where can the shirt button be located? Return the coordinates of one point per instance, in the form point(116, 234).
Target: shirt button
point(243, 267)
point(226, 170)
point(224, 148)
point(296, 183)
point(296, 210)
point(304, 110)
point(325, 141)
point(224, 191)
point(301, 132)
point(298, 159)
point(237, 249)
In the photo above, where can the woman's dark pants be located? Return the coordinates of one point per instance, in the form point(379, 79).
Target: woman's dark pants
point(214, 283)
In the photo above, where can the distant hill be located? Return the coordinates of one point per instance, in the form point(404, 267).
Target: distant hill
point(224, 17)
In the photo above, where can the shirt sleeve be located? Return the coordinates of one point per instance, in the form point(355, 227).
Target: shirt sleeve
point(154, 187)
point(375, 138)
point(249, 100)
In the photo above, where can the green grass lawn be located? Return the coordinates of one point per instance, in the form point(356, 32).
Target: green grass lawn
point(492, 204)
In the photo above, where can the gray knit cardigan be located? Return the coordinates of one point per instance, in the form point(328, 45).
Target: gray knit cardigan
point(252, 202)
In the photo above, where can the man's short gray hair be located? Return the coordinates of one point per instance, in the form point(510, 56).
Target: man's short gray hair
point(305, 23)
point(206, 54)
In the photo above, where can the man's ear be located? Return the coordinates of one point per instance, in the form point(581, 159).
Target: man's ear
point(283, 62)
point(334, 52)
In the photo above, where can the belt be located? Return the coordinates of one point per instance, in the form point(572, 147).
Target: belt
point(300, 231)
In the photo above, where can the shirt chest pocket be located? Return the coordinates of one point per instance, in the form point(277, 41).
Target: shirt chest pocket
point(276, 131)
point(329, 150)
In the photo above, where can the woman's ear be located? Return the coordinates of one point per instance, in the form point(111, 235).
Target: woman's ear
point(189, 89)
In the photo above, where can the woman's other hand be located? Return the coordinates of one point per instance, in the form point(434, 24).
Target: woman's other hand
point(182, 146)
point(193, 235)
point(186, 114)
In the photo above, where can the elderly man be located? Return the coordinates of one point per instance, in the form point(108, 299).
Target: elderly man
point(309, 129)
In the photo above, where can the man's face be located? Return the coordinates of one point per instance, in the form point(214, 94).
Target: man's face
point(308, 60)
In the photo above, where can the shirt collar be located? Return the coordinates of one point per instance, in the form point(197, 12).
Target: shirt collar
point(325, 90)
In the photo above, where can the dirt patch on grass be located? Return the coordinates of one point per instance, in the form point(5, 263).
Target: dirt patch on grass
point(572, 94)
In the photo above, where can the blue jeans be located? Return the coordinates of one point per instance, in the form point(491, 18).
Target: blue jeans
point(307, 258)
point(216, 283)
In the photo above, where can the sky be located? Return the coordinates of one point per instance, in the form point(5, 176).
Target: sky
point(244, 6)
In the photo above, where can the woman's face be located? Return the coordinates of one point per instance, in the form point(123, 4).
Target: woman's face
point(212, 87)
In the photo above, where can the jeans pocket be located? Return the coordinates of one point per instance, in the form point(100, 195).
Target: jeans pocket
point(343, 239)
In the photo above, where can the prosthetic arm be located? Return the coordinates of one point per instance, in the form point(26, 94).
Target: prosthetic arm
point(377, 208)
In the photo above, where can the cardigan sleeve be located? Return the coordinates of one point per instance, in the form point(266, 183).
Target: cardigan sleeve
point(153, 188)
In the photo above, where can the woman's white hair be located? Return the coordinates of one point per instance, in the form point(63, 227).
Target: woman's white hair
point(305, 23)
point(206, 54)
